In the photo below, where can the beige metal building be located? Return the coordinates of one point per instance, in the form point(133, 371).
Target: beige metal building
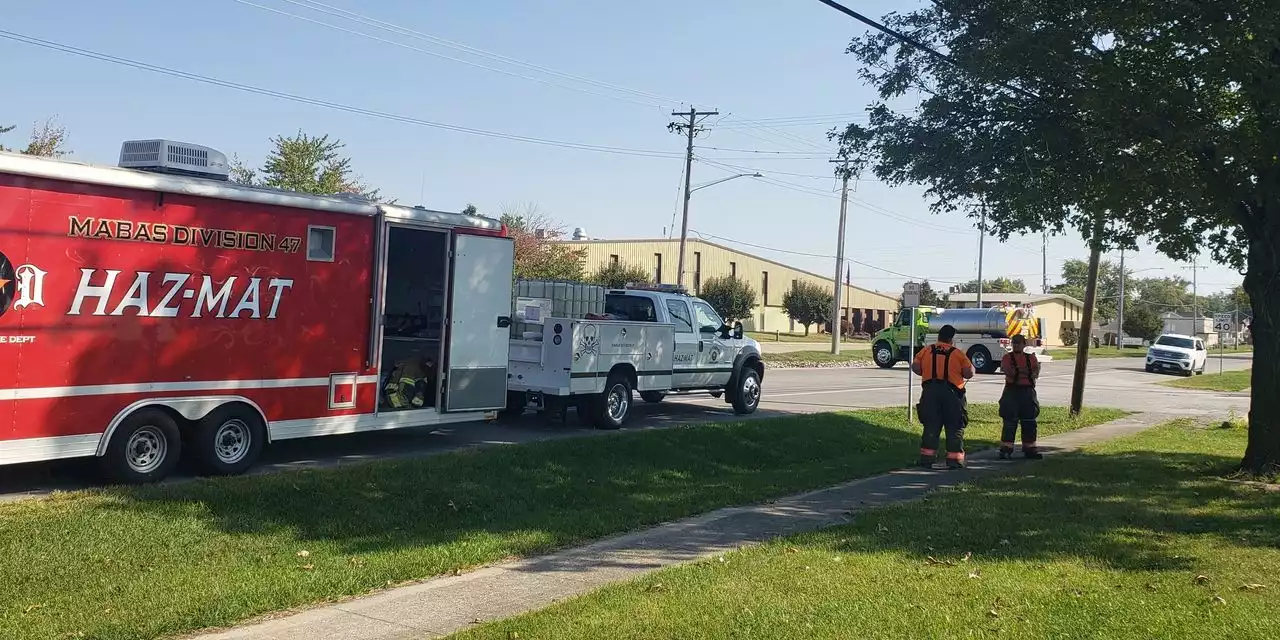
point(1054, 308)
point(865, 309)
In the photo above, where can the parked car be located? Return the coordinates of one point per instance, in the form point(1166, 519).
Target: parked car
point(1178, 354)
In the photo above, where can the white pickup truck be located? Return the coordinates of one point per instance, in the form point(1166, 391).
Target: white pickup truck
point(657, 341)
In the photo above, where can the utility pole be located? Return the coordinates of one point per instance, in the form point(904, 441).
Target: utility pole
point(1196, 325)
point(1120, 308)
point(982, 235)
point(1044, 262)
point(691, 129)
point(836, 308)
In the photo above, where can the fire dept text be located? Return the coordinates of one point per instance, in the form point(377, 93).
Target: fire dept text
point(162, 295)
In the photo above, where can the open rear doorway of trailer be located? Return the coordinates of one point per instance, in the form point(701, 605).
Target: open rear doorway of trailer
point(415, 303)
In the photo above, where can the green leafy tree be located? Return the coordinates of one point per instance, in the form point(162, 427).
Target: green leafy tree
point(808, 303)
point(306, 164)
point(731, 297)
point(1165, 294)
point(1075, 274)
point(48, 140)
point(616, 276)
point(998, 285)
point(540, 253)
point(1121, 121)
point(1142, 321)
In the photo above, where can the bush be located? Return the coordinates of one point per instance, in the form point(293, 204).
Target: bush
point(731, 297)
point(1068, 333)
point(618, 275)
point(808, 303)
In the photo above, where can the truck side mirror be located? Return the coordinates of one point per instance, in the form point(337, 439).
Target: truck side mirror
point(737, 331)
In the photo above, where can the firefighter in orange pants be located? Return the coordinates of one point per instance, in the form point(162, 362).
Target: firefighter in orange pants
point(943, 370)
point(1019, 403)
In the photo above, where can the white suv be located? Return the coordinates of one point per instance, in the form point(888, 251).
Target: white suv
point(1177, 353)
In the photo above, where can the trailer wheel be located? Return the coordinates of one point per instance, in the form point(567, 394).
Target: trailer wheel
point(653, 397)
point(981, 359)
point(883, 354)
point(746, 397)
point(144, 448)
point(516, 403)
point(228, 441)
point(609, 410)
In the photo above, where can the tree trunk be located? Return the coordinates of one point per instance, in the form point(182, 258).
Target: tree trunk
point(806, 330)
point(1262, 282)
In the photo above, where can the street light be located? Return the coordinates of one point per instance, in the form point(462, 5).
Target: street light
point(684, 224)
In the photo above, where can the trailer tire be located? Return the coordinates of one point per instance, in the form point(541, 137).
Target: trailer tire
point(981, 359)
point(610, 409)
point(883, 354)
point(144, 448)
point(653, 397)
point(516, 402)
point(229, 440)
point(746, 394)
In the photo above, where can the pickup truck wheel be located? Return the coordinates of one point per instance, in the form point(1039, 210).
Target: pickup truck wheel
point(612, 406)
point(653, 397)
point(883, 354)
point(145, 447)
point(746, 397)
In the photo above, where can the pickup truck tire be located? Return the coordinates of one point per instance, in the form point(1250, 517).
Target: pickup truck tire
point(883, 354)
point(746, 394)
point(653, 397)
point(610, 409)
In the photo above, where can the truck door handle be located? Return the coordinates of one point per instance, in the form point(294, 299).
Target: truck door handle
point(701, 344)
point(504, 322)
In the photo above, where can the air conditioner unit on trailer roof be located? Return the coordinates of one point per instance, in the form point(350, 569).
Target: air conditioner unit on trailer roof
point(179, 158)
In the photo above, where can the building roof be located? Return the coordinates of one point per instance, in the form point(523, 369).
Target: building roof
point(1016, 298)
point(892, 296)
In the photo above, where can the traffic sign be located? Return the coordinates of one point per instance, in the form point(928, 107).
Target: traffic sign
point(911, 294)
point(1223, 322)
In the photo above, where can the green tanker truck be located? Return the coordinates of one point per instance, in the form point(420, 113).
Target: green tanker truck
point(982, 334)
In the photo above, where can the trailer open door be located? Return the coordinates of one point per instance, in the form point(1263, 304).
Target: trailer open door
point(479, 323)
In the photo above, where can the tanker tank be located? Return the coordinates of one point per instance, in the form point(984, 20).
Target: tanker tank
point(991, 322)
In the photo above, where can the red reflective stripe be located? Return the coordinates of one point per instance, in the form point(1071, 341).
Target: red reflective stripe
point(928, 452)
point(955, 455)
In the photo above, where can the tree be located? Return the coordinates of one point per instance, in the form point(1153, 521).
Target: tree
point(731, 297)
point(48, 140)
point(1163, 294)
point(618, 275)
point(540, 253)
point(1075, 275)
point(998, 285)
point(306, 164)
point(808, 303)
point(1118, 120)
point(1142, 321)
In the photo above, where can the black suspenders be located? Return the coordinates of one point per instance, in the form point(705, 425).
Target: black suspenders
point(946, 363)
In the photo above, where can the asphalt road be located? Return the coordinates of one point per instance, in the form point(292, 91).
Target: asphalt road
point(1118, 382)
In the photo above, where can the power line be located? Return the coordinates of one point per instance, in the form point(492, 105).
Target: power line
point(338, 12)
point(818, 255)
point(770, 152)
point(580, 146)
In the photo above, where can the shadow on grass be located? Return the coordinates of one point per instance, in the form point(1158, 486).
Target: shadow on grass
point(1121, 509)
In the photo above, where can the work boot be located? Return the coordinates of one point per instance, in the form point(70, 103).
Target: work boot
point(955, 464)
point(1033, 454)
point(1006, 453)
point(925, 462)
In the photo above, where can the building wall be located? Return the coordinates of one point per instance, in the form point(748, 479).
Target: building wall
point(705, 260)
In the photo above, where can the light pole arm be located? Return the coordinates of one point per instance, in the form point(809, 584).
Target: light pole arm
point(726, 179)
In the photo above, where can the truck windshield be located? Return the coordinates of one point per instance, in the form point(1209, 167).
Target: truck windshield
point(1170, 341)
point(633, 308)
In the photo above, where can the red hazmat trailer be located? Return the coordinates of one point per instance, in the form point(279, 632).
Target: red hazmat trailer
point(157, 311)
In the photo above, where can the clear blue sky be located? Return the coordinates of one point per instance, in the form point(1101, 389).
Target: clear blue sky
point(750, 59)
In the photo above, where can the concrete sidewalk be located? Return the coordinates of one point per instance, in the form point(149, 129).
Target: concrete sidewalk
point(444, 605)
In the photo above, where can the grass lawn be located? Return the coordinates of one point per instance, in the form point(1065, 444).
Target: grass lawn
point(814, 336)
point(1226, 381)
point(816, 358)
point(1137, 538)
point(1069, 353)
point(144, 562)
